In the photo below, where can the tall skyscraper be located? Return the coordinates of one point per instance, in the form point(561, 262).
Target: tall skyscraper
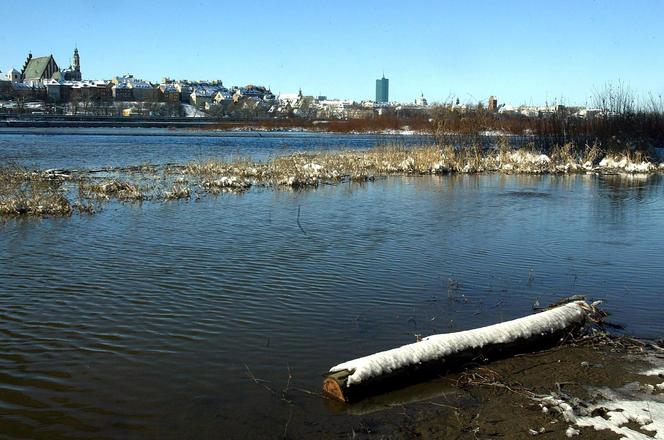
point(383, 90)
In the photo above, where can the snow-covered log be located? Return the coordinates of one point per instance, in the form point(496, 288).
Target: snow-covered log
point(438, 354)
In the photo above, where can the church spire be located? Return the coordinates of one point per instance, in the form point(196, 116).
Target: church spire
point(76, 60)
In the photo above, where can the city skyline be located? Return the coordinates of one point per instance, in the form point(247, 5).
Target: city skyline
point(521, 53)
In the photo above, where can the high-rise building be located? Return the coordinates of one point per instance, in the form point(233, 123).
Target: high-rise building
point(383, 90)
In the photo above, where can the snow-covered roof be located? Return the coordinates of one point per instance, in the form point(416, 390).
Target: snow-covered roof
point(224, 94)
point(209, 89)
point(22, 86)
point(289, 97)
point(139, 84)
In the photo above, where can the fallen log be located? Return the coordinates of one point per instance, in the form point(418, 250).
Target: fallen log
point(440, 354)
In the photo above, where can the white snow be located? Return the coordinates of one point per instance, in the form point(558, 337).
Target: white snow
point(439, 346)
point(312, 167)
point(632, 403)
point(192, 112)
point(571, 432)
point(228, 182)
point(656, 371)
point(624, 164)
point(648, 413)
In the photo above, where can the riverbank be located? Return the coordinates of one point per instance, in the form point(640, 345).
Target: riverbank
point(597, 387)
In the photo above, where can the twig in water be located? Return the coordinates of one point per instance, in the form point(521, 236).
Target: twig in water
point(284, 392)
point(298, 221)
point(311, 393)
point(443, 405)
point(257, 381)
point(290, 415)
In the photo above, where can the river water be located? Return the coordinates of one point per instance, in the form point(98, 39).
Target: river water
point(76, 148)
point(153, 320)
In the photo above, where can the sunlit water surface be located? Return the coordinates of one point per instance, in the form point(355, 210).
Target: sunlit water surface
point(148, 321)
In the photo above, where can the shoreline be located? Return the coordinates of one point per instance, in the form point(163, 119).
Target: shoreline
point(598, 387)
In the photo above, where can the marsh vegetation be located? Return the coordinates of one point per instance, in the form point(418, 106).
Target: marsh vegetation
point(62, 192)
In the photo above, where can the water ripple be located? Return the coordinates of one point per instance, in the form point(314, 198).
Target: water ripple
point(125, 323)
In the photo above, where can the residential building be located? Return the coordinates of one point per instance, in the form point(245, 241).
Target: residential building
point(223, 96)
point(13, 75)
point(122, 92)
point(144, 91)
point(202, 95)
point(169, 93)
point(26, 91)
point(5, 89)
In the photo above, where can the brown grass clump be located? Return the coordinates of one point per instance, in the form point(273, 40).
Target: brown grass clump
point(311, 169)
point(23, 192)
point(112, 188)
point(36, 202)
point(177, 192)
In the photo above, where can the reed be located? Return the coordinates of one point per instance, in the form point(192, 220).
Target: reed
point(30, 193)
point(112, 188)
point(40, 193)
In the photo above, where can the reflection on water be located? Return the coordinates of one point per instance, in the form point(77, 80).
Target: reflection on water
point(141, 321)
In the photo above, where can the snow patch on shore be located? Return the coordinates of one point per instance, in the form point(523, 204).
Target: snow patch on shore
point(656, 371)
point(648, 414)
point(614, 410)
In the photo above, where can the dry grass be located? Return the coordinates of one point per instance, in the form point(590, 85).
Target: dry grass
point(311, 169)
point(25, 192)
point(111, 188)
point(177, 192)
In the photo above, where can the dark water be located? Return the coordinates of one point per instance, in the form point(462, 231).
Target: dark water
point(75, 148)
point(143, 320)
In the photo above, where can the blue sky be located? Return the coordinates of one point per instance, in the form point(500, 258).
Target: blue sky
point(520, 51)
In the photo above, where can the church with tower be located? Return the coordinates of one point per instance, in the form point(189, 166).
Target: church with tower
point(42, 68)
point(73, 72)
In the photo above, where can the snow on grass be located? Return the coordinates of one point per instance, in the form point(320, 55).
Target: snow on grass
point(617, 410)
point(626, 164)
point(439, 346)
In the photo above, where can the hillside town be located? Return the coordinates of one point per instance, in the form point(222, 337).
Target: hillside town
point(41, 87)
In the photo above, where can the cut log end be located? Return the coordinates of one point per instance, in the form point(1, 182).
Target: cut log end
point(332, 389)
point(333, 385)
